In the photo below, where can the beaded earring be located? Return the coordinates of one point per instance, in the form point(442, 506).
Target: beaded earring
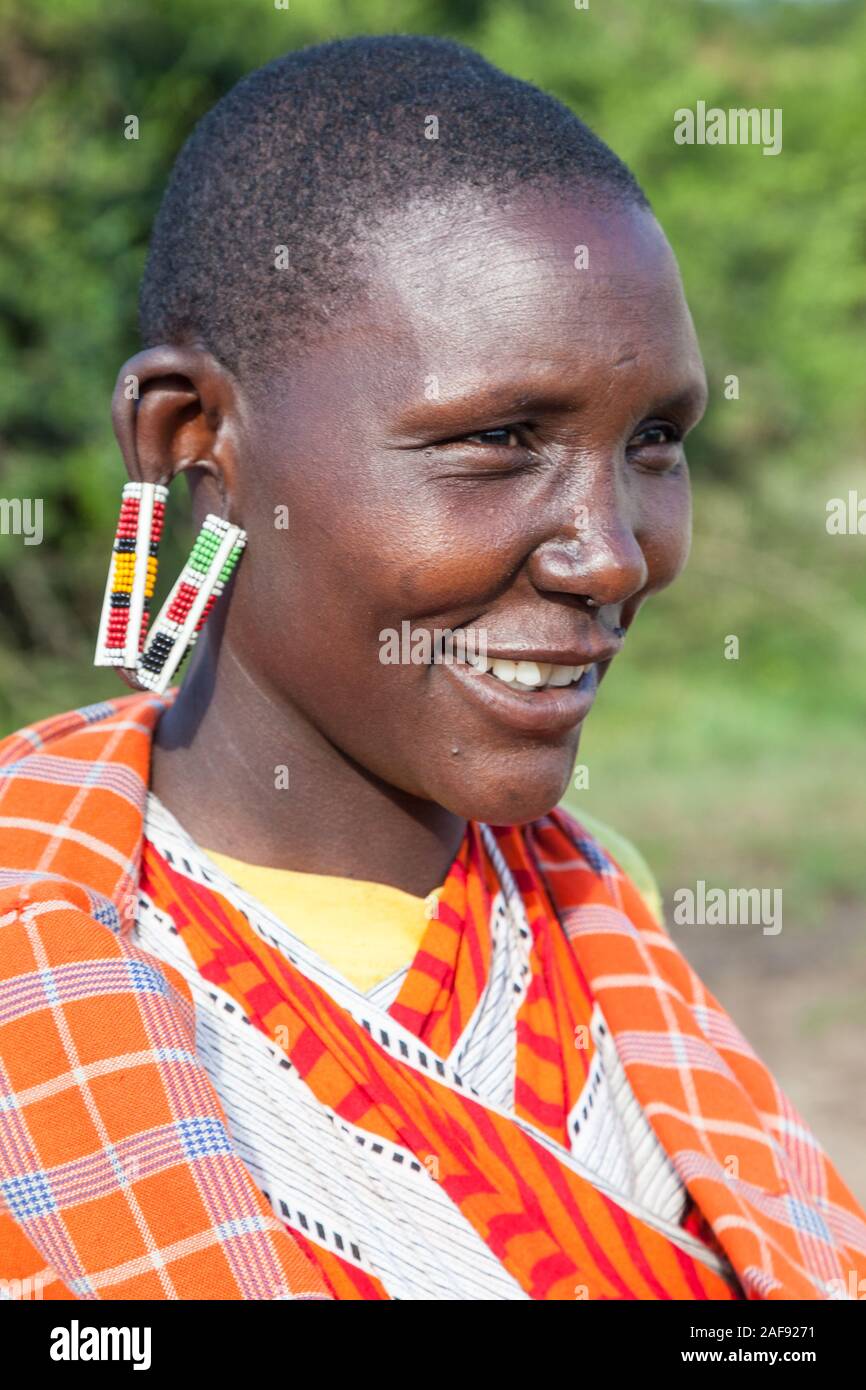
point(131, 575)
point(216, 551)
point(150, 659)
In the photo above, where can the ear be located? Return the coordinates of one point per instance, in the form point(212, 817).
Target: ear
point(174, 410)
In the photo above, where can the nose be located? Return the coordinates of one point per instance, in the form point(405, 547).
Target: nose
point(595, 556)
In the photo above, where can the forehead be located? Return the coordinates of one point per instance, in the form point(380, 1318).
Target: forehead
point(544, 280)
point(545, 299)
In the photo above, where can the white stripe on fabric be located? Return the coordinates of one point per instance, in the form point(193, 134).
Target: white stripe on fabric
point(621, 1140)
point(67, 832)
point(486, 1052)
point(368, 1200)
point(384, 994)
point(619, 1150)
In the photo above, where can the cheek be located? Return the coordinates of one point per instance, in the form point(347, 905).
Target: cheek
point(665, 532)
point(417, 558)
point(453, 551)
point(317, 598)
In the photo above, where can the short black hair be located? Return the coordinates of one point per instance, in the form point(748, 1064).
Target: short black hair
point(307, 152)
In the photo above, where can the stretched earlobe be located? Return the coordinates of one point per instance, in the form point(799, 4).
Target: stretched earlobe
point(170, 409)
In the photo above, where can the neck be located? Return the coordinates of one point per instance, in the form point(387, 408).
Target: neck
point(249, 776)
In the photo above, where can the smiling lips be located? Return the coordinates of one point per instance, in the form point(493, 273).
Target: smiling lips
point(527, 690)
point(527, 675)
point(541, 710)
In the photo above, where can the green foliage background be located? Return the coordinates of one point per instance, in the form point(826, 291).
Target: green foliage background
point(748, 771)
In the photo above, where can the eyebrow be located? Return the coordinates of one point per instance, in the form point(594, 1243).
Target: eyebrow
point(505, 402)
point(505, 399)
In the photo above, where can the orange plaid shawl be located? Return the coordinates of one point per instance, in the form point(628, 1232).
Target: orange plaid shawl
point(117, 1173)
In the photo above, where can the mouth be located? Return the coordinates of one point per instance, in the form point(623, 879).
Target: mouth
point(528, 695)
point(524, 675)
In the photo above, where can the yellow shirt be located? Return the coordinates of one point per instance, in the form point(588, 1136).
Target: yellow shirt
point(369, 930)
point(365, 930)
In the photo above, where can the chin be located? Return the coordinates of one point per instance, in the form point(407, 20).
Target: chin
point(523, 790)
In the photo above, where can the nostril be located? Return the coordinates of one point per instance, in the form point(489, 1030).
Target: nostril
point(614, 629)
point(609, 620)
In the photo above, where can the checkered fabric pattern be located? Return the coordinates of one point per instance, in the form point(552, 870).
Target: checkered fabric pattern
point(787, 1222)
point(117, 1174)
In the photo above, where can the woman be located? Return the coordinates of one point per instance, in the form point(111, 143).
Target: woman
point(309, 990)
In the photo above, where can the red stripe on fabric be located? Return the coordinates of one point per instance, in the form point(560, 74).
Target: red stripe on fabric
point(632, 1244)
point(559, 1184)
point(461, 1186)
point(306, 1051)
point(456, 1024)
point(442, 1122)
point(196, 901)
point(544, 1047)
point(354, 1105)
point(557, 1180)
point(546, 1112)
point(549, 1271)
point(440, 970)
point(325, 1261)
point(448, 917)
point(687, 1265)
point(473, 946)
point(410, 1019)
point(503, 1229)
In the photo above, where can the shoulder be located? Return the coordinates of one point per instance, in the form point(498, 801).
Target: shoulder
point(59, 733)
point(624, 853)
point(73, 787)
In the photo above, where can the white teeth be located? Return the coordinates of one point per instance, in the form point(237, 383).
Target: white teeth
point(479, 662)
point(530, 675)
point(561, 675)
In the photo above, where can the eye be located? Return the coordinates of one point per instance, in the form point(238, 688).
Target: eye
point(507, 436)
point(658, 433)
point(504, 451)
point(657, 445)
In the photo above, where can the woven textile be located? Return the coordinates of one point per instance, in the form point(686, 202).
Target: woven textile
point(119, 1175)
point(359, 1188)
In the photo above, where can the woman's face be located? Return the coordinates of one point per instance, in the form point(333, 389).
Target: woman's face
point(490, 442)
